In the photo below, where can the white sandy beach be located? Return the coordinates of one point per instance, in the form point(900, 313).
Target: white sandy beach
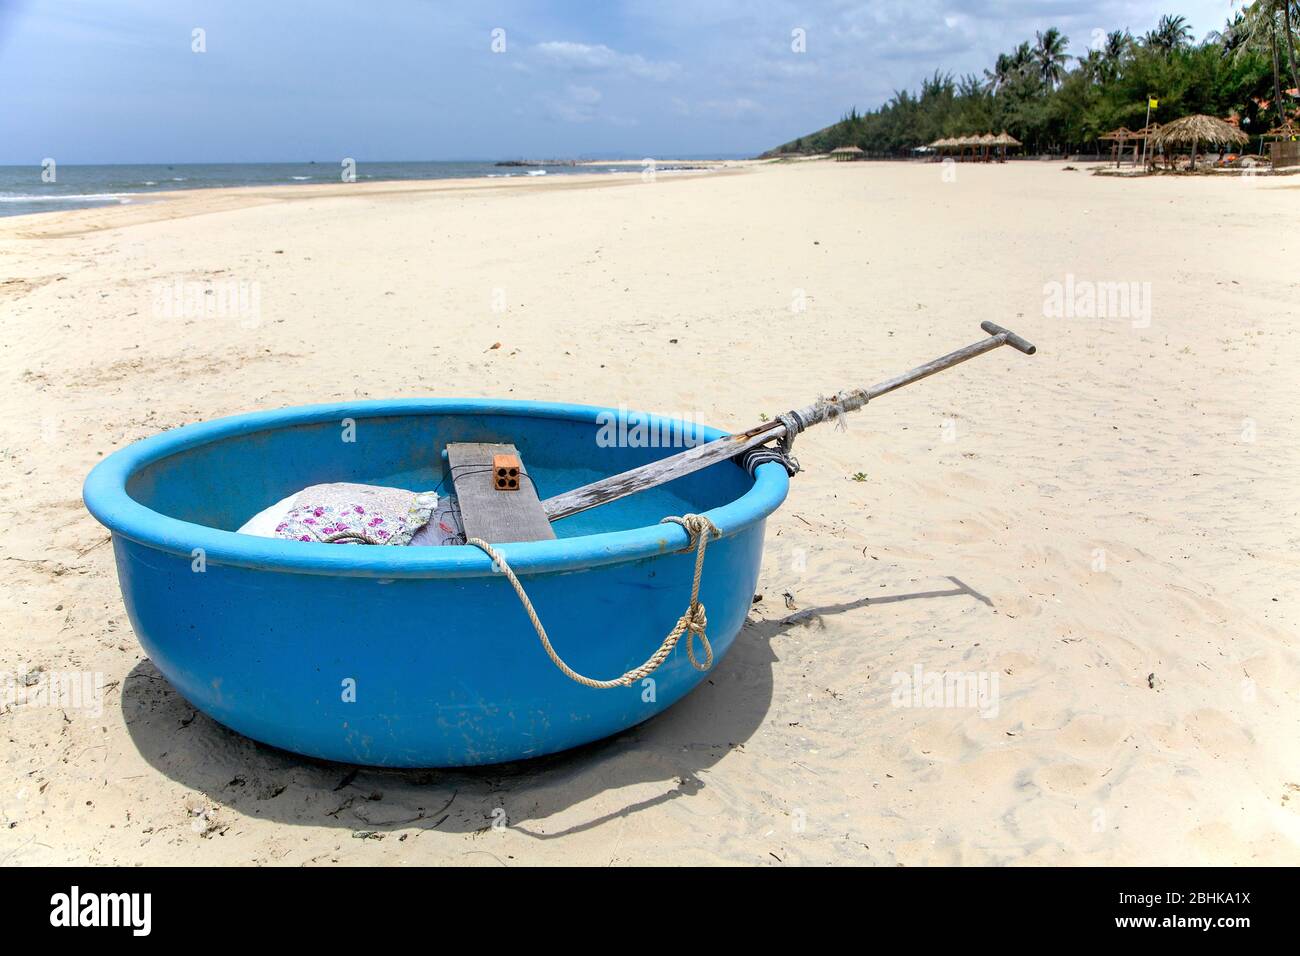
point(1109, 527)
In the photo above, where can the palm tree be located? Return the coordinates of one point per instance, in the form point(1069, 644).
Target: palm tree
point(1049, 56)
point(1231, 36)
point(993, 79)
point(1117, 44)
point(1171, 33)
point(1112, 53)
point(1093, 66)
point(1265, 28)
point(1044, 97)
point(1290, 37)
point(1022, 59)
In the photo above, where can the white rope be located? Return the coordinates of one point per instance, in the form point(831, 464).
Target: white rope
point(693, 622)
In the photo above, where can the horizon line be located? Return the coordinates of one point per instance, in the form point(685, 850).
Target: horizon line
point(628, 157)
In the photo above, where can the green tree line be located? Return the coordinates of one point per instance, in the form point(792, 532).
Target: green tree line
point(1053, 101)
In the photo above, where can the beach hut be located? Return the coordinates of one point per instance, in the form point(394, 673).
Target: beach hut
point(1285, 149)
point(844, 154)
point(1118, 137)
point(1196, 129)
point(1002, 141)
point(1287, 131)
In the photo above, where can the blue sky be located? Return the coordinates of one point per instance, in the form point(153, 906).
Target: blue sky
point(89, 81)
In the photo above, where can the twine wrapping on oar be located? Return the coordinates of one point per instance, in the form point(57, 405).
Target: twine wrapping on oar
point(835, 407)
point(794, 422)
point(693, 622)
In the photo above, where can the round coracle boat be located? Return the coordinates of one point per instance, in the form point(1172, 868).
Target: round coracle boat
point(421, 656)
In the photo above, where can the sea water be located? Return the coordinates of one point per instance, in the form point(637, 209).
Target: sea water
point(36, 188)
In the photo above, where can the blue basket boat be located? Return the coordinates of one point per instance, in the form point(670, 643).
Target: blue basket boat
point(418, 656)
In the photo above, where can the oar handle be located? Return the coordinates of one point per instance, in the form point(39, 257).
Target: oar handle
point(1015, 341)
point(663, 470)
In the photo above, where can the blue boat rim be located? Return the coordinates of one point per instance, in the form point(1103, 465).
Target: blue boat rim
point(106, 498)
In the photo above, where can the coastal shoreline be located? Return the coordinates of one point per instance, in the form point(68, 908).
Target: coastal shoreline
point(202, 199)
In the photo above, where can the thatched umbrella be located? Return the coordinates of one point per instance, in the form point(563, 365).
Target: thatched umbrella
point(844, 153)
point(1196, 129)
point(987, 141)
point(1002, 141)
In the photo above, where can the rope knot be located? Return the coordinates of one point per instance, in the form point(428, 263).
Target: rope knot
point(695, 619)
point(695, 624)
point(696, 526)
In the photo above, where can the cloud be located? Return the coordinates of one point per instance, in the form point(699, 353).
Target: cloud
point(631, 78)
point(731, 108)
point(600, 58)
point(577, 104)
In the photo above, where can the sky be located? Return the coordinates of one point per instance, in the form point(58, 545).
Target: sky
point(120, 81)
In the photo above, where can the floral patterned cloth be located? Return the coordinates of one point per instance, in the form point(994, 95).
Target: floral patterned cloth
point(343, 513)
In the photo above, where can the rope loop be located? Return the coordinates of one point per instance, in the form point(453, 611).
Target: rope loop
point(693, 622)
point(782, 452)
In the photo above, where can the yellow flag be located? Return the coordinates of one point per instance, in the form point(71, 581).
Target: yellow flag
point(1153, 102)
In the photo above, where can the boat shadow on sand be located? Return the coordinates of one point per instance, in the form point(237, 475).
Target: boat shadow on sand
point(662, 758)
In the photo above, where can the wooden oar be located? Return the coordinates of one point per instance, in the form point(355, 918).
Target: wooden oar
point(702, 456)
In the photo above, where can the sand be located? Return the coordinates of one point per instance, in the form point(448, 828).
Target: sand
point(1107, 529)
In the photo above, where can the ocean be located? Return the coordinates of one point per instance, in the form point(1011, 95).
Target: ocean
point(23, 189)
